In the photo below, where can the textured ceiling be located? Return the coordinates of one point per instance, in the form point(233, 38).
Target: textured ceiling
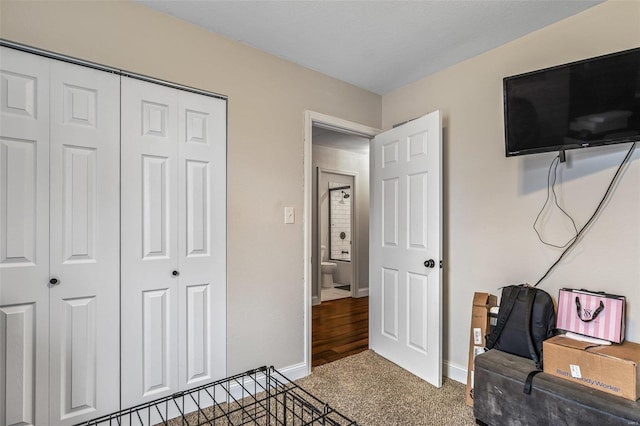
point(375, 45)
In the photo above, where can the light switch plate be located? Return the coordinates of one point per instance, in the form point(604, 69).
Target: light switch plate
point(289, 215)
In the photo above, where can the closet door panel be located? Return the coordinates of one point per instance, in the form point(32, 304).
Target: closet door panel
point(19, 189)
point(18, 337)
point(24, 238)
point(149, 241)
point(202, 238)
point(84, 247)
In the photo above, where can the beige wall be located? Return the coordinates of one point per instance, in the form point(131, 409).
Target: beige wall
point(267, 99)
point(491, 201)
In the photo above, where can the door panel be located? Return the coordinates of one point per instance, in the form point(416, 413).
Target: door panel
point(202, 239)
point(78, 355)
point(19, 194)
point(417, 226)
point(24, 238)
point(18, 337)
point(149, 241)
point(389, 303)
point(155, 207)
point(198, 208)
point(79, 170)
point(390, 212)
point(198, 310)
point(406, 295)
point(84, 187)
point(156, 340)
point(417, 305)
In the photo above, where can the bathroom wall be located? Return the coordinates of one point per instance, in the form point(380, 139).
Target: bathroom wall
point(346, 161)
point(343, 274)
point(339, 221)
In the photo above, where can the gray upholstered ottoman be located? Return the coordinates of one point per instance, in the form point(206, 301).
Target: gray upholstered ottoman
point(499, 399)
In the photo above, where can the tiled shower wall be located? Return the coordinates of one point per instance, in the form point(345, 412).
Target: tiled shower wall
point(340, 221)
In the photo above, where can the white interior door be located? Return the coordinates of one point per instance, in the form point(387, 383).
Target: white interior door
point(24, 238)
point(84, 245)
point(406, 247)
point(149, 203)
point(202, 239)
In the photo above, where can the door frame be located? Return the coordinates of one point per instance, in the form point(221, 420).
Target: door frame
point(312, 118)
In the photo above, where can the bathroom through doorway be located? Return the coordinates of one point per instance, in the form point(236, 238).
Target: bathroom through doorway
point(340, 219)
point(336, 205)
point(336, 328)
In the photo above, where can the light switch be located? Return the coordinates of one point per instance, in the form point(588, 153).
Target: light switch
point(289, 215)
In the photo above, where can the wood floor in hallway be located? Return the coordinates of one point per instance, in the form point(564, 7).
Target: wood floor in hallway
point(340, 328)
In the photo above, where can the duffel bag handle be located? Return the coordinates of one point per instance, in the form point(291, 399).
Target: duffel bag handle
point(595, 313)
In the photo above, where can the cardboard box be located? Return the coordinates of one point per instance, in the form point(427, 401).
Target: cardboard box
point(482, 302)
point(612, 369)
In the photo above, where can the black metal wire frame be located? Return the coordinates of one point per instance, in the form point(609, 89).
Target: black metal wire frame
point(262, 396)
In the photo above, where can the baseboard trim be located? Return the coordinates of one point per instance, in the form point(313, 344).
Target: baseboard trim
point(295, 372)
point(315, 300)
point(292, 373)
point(227, 388)
point(455, 372)
point(362, 292)
point(298, 371)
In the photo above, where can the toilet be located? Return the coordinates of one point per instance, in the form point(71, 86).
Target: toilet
point(327, 269)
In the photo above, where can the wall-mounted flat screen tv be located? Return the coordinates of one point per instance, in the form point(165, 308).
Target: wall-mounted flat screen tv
point(577, 105)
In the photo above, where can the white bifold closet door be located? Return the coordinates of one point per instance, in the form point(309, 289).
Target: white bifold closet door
point(24, 239)
point(59, 244)
point(84, 243)
point(173, 240)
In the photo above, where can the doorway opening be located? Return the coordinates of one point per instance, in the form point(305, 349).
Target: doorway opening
point(340, 254)
point(404, 282)
point(336, 237)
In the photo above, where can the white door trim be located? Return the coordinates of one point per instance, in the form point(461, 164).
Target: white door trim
point(339, 124)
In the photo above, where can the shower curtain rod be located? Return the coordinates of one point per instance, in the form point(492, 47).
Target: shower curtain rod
point(340, 187)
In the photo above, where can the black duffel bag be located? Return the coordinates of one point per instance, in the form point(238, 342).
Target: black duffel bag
point(526, 318)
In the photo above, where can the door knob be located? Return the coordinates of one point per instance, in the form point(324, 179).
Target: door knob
point(175, 273)
point(429, 263)
point(53, 281)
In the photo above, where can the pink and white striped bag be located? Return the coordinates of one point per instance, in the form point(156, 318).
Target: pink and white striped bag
point(598, 315)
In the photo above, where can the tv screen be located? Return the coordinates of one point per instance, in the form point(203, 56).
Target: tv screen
point(577, 105)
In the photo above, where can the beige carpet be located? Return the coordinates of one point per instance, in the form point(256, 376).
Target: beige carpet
point(373, 391)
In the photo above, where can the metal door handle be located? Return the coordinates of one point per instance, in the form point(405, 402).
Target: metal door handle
point(429, 263)
point(54, 281)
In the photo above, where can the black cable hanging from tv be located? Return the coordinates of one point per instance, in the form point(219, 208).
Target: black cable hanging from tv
point(551, 193)
point(593, 216)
